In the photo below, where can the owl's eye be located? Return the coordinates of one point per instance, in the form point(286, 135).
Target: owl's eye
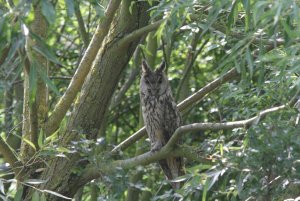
point(147, 81)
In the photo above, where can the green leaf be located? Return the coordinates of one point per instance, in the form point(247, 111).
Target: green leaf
point(44, 49)
point(70, 7)
point(259, 11)
point(48, 11)
point(250, 62)
point(278, 12)
point(30, 143)
point(233, 14)
point(43, 197)
point(35, 196)
point(18, 195)
point(35, 181)
point(41, 139)
point(246, 4)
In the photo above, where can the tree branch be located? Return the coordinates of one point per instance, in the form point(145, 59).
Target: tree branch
point(169, 147)
point(196, 97)
point(117, 98)
point(140, 32)
point(84, 35)
point(220, 126)
point(172, 149)
point(84, 67)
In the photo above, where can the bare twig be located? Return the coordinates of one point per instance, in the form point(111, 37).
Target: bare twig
point(117, 98)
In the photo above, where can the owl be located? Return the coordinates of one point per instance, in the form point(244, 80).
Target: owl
point(161, 116)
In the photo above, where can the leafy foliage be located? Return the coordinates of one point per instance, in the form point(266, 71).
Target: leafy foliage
point(258, 38)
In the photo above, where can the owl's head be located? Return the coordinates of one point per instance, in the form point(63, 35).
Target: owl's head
point(154, 83)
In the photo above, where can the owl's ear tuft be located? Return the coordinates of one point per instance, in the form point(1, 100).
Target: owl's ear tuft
point(145, 67)
point(162, 67)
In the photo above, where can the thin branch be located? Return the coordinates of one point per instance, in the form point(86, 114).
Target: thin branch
point(220, 126)
point(118, 97)
point(196, 97)
point(140, 32)
point(84, 35)
point(84, 67)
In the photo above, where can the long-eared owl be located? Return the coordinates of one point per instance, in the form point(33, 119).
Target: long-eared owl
point(161, 116)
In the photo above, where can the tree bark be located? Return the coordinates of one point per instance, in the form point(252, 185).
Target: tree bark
point(88, 115)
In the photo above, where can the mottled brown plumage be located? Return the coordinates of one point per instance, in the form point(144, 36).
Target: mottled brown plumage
point(161, 116)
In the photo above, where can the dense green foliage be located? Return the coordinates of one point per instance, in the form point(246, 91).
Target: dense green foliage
point(200, 40)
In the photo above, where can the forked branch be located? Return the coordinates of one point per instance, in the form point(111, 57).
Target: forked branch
point(84, 67)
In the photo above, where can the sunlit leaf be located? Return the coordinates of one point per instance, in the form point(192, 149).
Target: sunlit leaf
point(41, 138)
point(30, 143)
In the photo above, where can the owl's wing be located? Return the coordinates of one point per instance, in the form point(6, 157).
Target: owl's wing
point(172, 118)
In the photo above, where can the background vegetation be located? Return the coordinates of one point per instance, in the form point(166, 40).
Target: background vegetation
point(70, 98)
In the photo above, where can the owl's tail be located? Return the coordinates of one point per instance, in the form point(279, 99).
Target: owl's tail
point(173, 167)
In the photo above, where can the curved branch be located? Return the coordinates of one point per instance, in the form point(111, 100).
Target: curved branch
point(172, 149)
point(196, 97)
point(84, 67)
point(169, 147)
point(220, 126)
point(140, 32)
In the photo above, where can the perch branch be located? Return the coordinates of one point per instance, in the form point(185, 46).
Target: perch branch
point(196, 97)
point(84, 67)
point(169, 147)
point(172, 149)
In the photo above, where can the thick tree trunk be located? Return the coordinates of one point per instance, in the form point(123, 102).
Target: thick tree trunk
point(88, 115)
